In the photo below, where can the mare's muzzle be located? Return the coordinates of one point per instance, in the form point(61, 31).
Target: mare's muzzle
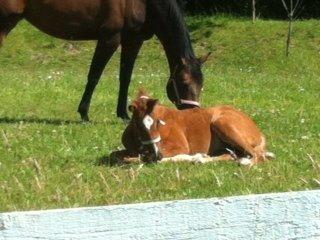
point(175, 97)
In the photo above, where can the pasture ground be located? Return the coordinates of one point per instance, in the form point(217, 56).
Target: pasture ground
point(49, 159)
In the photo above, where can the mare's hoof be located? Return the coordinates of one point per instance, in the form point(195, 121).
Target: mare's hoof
point(124, 116)
point(84, 114)
point(85, 118)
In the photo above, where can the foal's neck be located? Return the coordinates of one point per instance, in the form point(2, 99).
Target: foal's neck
point(164, 112)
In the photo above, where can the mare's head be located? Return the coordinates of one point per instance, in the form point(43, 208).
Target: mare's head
point(186, 83)
point(147, 123)
point(11, 12)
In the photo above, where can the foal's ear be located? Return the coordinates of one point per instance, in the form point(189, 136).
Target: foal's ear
point(151, 104)
point(131, 108)
point(204, 58)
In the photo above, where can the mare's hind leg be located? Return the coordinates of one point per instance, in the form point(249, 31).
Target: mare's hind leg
point(106, 46)
point(130, 49)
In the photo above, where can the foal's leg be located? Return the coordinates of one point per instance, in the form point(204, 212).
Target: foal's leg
point(131, 141)
point(130, 50)
point(234, 137)
point(106, 46)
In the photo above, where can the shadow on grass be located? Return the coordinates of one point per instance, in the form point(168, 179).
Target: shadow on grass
point(8, 120)
point(117, 158)
point(107, 161)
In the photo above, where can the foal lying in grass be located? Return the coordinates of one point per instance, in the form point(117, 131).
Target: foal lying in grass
point(223, 133)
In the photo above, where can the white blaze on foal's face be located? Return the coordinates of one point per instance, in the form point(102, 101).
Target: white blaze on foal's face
point(148, 121)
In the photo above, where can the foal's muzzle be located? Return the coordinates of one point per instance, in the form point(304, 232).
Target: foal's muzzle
point(152, 154)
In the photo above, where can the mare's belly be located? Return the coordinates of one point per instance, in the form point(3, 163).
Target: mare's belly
point(67, 19)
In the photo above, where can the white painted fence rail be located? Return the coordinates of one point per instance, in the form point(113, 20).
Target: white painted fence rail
point(294, 215)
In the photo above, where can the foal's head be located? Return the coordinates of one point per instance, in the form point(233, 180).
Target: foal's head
point(186, 82)
point(147, 123)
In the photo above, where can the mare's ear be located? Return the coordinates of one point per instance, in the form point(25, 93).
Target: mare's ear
point(204, 58)
point(151, 104)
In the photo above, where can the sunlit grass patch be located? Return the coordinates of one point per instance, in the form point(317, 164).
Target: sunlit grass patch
point(49, 159)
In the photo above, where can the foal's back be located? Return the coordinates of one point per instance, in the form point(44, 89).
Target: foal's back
point(230, 117)
point(214, 129)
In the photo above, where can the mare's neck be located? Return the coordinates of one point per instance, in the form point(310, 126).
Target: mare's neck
point(170, 28)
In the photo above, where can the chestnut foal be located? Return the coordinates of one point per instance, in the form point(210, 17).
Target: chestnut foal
point(222, 132)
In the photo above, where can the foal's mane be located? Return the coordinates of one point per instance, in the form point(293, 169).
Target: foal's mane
point(174, 20)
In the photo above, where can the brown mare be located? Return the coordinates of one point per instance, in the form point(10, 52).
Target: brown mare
point(156, 132)
point(112, 23)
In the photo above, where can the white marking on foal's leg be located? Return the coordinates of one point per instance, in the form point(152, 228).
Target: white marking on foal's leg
point(148, 121)
point(232, 153)
point(270, 155)
point(245, 161)
point(197, 158)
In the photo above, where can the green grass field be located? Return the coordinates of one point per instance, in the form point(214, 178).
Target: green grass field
point(49, 159)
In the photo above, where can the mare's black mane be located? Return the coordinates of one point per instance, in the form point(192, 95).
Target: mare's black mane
point(173, 21)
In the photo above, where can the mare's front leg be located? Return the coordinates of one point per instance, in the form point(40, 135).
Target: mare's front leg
point(106, 46)
point(130, 49)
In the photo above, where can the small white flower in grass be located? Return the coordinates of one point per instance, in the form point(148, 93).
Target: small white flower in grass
point(305, 137)
point(79, 175)
point(301, 89)
point(140, 82)
point(302, 120)
point(49, 77)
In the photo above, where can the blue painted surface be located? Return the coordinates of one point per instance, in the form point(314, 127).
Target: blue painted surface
point(294, 215)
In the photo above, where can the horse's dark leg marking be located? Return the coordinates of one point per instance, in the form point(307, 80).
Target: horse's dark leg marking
point(130, 50)
point(106, 46)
